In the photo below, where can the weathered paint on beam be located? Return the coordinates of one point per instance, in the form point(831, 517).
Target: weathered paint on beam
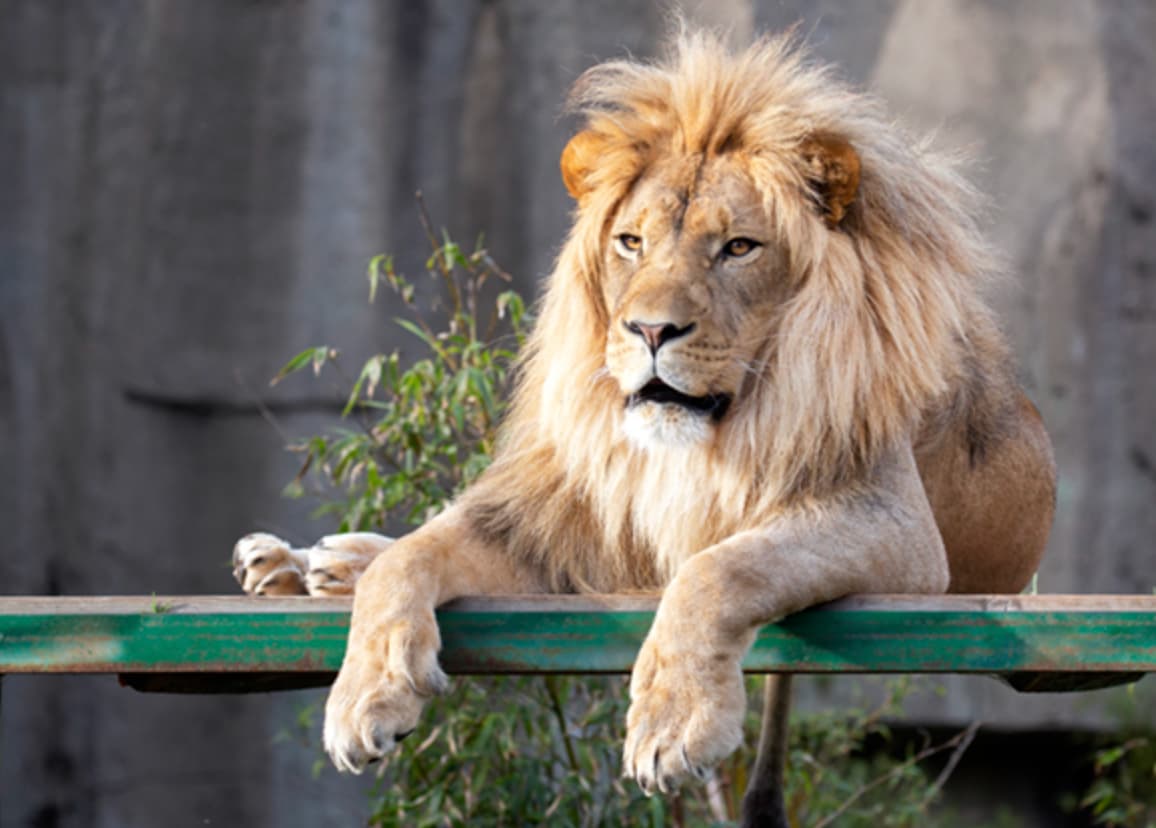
point(301, 640)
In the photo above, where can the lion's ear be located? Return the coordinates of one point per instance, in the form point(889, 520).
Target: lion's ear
point(578, 159)
point(833, 168)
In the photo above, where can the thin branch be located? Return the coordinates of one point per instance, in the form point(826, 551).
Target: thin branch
point(560, 714)
point(445, 267)
point(431, 238)
point(426, 224)
point(347, 381)
point(952, 761)
point(263, 409)
point(964, 738)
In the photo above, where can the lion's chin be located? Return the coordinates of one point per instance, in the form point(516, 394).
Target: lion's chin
point(653, 425)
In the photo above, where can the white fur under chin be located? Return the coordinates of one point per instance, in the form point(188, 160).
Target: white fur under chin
point(651, 425)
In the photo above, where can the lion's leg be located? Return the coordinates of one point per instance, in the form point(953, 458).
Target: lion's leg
point(391, 668)
point(993, 503)
point(263, 564)
point(994, 512)
point(687, 698)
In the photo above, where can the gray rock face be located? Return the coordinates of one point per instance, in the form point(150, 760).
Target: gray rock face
point(189, 193)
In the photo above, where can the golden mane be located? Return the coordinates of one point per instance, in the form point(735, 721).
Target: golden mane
point(885, 328)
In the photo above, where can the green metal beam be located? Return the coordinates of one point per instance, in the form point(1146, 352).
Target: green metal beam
point(194, 644)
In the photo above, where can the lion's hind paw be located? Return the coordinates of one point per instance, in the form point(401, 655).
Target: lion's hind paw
point(263, 564)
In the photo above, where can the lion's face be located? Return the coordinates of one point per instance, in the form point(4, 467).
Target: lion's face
point(692, 276)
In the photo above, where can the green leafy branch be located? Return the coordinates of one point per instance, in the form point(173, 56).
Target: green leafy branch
point(426, 428)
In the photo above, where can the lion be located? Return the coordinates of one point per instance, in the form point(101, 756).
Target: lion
point(762, 377)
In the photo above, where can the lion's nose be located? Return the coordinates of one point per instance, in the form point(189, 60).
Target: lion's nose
point(657, 334)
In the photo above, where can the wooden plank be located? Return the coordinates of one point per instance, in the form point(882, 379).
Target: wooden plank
point(305, 637)
point(641, 602)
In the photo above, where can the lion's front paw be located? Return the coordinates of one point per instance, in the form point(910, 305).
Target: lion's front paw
point(336, 562)
point(384, 682)
point(686, 715)
point(263, 564)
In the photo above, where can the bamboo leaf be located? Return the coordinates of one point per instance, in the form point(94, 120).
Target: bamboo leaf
point(416, 330)
point(378, 266)
point(316, 357)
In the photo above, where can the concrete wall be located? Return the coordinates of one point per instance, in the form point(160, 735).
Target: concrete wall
point(189, 192)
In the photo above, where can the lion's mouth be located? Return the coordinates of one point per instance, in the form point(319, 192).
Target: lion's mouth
point(657, 391)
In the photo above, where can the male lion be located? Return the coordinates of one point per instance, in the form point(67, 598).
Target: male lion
point(762, 377)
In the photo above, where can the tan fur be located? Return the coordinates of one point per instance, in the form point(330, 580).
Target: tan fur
point(870, 399)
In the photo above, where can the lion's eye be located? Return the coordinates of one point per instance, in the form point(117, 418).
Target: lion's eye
point(737, 248)
point(629, 243)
